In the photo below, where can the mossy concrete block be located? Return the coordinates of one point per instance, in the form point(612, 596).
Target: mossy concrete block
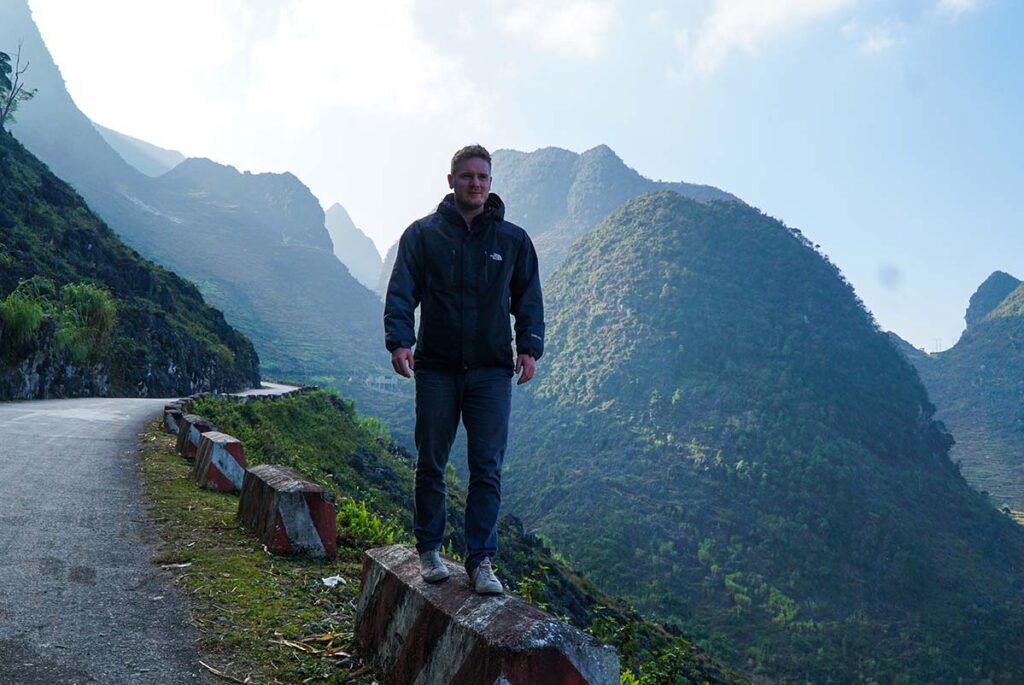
point(445, 633)
point(289, 514)
point(220, 462)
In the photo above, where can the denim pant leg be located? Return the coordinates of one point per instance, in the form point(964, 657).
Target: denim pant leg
point(438, 396)
point(486, 402)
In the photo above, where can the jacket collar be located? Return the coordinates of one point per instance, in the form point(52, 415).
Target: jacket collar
point(494, 210)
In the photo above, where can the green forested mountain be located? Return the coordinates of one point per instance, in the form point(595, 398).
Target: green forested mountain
point(723, 435)
point(978, 387)
point(255, 244)
point(352, 247)
point(82, 314)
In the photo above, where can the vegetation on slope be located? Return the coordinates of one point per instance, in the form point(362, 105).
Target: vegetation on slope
point(724, 437)
point(81, 313)
point(322, 437)
point(978, 386)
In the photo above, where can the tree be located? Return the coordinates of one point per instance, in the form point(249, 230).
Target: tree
point(12, 88)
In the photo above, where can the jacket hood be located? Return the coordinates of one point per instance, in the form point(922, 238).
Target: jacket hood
point(494, 208)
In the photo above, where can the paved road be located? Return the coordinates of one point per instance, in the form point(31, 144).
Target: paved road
point(268, 388)
point(80, 601)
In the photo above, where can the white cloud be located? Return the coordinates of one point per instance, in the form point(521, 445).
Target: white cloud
point(957, 7)
point(748, 24)
point(877, 38)
point(365, 57)
point(573, 28)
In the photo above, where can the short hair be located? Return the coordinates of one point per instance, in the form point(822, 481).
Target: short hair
point(470, 152)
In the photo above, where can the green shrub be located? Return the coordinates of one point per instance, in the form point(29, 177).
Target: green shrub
point(21, 318)
point(86, 322)
point(365, 527)
point(93, 306)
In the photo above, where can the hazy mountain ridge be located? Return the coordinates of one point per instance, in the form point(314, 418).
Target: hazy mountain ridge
point(978, 386)
point(723, 436)
point(254, 243)
point(165, 340)
point(353, 247)
point(145, 157)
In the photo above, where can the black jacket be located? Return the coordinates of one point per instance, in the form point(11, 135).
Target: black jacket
point(466, 282)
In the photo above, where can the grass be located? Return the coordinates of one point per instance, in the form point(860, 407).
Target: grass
point(261, 619)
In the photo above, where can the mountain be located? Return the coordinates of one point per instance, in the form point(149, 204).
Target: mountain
point(978, 385)
point(147, 158)
point(82, 314)
point(989, 295)
point(385, 270)
point(255, 244)
point(558, 196)
point(352, 247)
point(723, 435)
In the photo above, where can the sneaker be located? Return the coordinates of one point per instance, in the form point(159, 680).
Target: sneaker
point(432, 568)
point(484, 580)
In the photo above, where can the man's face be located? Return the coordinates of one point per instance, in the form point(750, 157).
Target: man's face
point(471, 183)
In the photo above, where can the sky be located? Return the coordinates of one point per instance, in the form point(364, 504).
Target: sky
point(888, 131)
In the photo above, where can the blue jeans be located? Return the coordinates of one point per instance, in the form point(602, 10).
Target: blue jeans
point(482, 398)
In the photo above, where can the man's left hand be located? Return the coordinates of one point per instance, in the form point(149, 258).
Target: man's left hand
point(527, 365)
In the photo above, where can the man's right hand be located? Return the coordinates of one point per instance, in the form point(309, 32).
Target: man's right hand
point(401, 359)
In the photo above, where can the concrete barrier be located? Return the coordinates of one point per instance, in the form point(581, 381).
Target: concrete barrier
point(172, 420)
point(191, 427)
point(220, 462)
point(445, 633)
point(289, 514)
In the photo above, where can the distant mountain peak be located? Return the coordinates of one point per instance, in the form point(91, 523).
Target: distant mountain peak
point(601, 150)
point(989, 295)
point(352, 247)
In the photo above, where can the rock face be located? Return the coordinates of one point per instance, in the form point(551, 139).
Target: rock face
point(289, 514)
point(445, 633)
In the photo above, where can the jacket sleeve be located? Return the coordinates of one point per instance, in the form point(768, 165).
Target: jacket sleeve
point(527, 304)
point(403, 294)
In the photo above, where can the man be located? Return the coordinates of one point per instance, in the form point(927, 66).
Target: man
point(467, 269)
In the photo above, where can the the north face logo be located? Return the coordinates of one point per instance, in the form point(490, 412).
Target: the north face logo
point(495, 256)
